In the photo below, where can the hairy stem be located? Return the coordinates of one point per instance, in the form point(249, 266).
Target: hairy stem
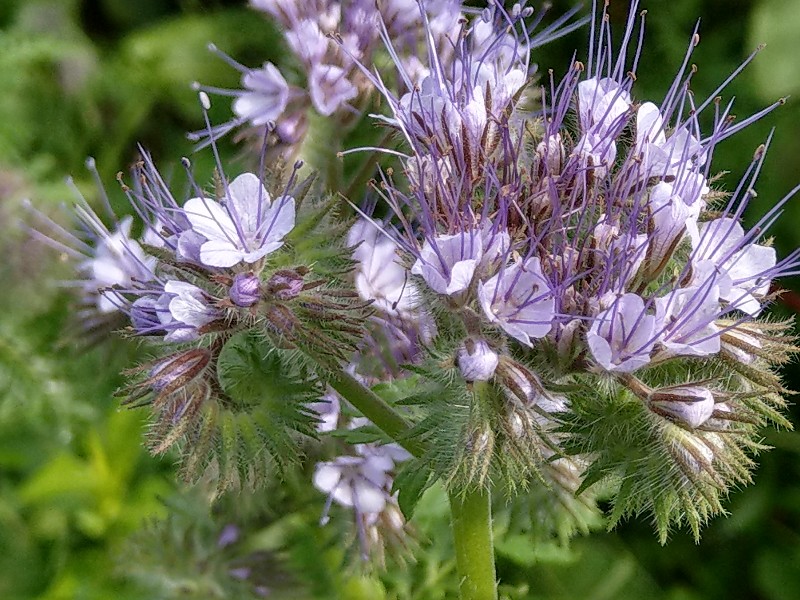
point(472, 531)
point(376, 409)
point(319, 150)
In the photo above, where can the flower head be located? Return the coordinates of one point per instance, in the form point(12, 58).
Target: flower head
point(244, 226)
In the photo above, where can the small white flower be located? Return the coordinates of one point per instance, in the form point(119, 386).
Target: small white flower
point(183, 309)
point(329, 88)
point(670, 217)
point(685, 318)
point(741, 268)
point(380, 276)
point(664, 156)
point(621, 337)
point(449, 263)
point(245, 227)
point(519, 300)
point(601, 104)
point(118, 260)
point(265, 98)
point(308, 41)
point(357, 481)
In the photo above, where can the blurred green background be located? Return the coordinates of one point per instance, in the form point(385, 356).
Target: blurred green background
point(85, 78)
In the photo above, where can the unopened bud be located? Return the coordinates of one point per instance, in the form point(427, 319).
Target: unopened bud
point(176, 371)
point(739, 344)
point(551, 152)
point(245, 290)
point(695, 453)
point(690, 405)
point(285, 284)
point(476, 360)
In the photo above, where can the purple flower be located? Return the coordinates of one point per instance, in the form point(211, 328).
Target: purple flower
point(380, 277)
point(742, 269)
point(661, 155)
point(621, 337)
point(244, 227)
point(108, 261)
point(329, 88)
point(602, 105)
point(308, 42)
point(518, 299)
point(265, 97)
point(187, 310)
point(685, 319)
point(357, 481)
point(448, 263)
point(118, 261)
point(600, 219)
point(670, 218)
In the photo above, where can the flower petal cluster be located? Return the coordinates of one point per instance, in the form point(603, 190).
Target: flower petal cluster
point(597, 229)
point(244, 226)
point(330, 38)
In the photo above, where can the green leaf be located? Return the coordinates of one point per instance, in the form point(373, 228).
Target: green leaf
point(411, 482)
point(369, 434)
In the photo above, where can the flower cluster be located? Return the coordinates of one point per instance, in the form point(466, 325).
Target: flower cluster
point(558, 296)
point(329, 38)
point(586, 240)
point(363, 481)
point(539, 231)
point(229, 237)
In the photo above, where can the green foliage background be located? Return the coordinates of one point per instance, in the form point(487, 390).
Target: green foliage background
point(94, 77)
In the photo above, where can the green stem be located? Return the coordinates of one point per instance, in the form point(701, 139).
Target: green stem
point(472, 531)
point(375, 408)
point(320, 150)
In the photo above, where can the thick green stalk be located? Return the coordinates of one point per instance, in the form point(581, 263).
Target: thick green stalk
point(472, 531)
point(376, 409)
point(320, 149)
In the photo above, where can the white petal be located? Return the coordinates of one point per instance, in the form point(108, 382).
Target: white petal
point(649, 125)
point(368, 497)
point(327, 477)
point(210, 220)
point(461, 276)
point(220, 253)
point(279, 219)
point(249, 200)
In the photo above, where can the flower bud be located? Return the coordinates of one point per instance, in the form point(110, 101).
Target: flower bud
point(175, 372)
point(689, 405)
point(245, 290)
point(551, 153)
point(740, 344)
point(696, 452)
point(476, 360)
point(285, 284)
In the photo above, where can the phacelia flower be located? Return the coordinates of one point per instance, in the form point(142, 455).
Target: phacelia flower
point(265, 97)
point(744, 267)
point(380, 277)
point(621, 336)
point(244, 226)
point(518, 299)
point(355, 481)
